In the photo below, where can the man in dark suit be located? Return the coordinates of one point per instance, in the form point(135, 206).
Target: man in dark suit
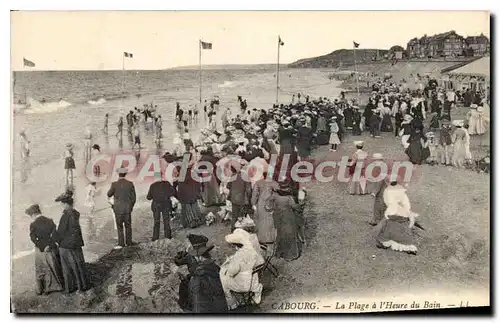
point(160, 194)
point(123, 193)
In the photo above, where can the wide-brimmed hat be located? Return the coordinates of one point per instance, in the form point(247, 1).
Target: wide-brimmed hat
point(378, 156)
point(200, 245)
point(239, 236)
point(122, 170)
point(480, 109)
point(246, 222)
point(430, 134)
point(186, 136)
point(473, 106)
point(33, 210)
point(66, 197)
point(69, 146)
point(407, 117)
point(458, 123)
point(358, 143)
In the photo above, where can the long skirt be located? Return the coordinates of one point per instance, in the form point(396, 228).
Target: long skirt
point(210, 192)
point(191, 216)
point(322, 138)
point(386, 125)
point(394, 233)
point(404, 141)
point(49, 277)
point(334, 139)
point(74, 270)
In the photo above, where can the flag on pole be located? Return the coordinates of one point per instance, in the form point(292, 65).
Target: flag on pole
point(130, 55)
point(280, 41)
point(206, 45)
point(28, 63)
point(356, 45)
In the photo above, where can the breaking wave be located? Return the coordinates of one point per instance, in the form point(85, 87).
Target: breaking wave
point(35, 107)
point(228, 84)
point(97, 102)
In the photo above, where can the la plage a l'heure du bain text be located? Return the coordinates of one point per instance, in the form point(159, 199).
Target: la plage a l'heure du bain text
point(386, 305)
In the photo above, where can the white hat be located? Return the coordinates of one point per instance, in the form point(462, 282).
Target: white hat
point(186, 136)
point(238, 236)
point(458, 123)
point(378, 156)
point(473, 106)
point(246, 222)
point(358, 143)
point(480, 109)
point(407, 117)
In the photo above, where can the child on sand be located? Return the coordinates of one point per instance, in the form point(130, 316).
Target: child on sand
point(90, 203)
point(137, 137)
point(69, 165)
point(334, 138)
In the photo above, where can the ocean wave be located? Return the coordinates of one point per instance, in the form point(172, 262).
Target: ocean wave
point(97, 102)
point(35, 107)
point(227, 84)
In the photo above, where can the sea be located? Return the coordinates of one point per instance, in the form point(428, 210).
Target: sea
point(62, 104)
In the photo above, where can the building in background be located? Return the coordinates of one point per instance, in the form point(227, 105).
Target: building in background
point(448, 44)
point(478, 45)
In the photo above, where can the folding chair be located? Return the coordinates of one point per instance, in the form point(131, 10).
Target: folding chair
point(246, 298)
point(269, 251)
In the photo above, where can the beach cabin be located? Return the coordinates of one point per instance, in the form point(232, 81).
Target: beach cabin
point(474, 75)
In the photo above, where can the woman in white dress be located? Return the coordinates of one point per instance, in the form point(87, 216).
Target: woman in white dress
point(460, 143)
point(476, 120)
point(236, 272)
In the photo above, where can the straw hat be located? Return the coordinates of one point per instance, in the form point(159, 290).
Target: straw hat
point(378, 156)
point(480, 109)
point(458, 123)
point(359, 143)
point(407, 117)
point(246, 222)
point(186, 136)
point(473, 106)
point(69, 146)
point(122, 170)
point(239, 236)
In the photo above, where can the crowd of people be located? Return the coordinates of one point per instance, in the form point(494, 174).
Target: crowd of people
point(266, 212)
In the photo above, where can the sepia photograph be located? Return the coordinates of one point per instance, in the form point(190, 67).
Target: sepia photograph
point(227, 162)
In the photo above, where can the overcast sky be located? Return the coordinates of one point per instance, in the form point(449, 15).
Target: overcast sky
point(97, 40)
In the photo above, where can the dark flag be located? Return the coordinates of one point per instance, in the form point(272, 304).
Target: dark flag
point(280, 41)
point(356, 45)
point(28, 63)
point(129, 55)
point(206, 45)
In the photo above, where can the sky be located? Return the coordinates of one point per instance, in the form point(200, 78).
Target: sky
point(96, 40)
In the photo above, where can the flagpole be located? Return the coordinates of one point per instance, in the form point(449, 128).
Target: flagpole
point(278, 71)
point(356, 73)
point(199, 45)
point(123, 76)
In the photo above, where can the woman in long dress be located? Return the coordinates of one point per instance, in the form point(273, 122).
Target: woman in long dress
point(236, 273)
point(70, 241)
point(476, 120)
point(375, 123)
point(189, 194)
point(417, 150)
point(405, 131)
point(288, 221)
point(48, 270)
point(210, 191)
point(357, 184)
point(396, 228)
point(264, 222)
point(386, 125)
point(459, 139)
